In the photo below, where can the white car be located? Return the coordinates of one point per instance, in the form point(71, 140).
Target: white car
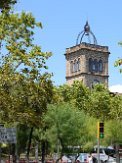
point(65, 159)
point(106, 155)
point(83, 158)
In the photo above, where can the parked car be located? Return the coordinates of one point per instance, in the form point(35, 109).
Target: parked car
point(83, 158)
point(106, 154)
point(65, 159)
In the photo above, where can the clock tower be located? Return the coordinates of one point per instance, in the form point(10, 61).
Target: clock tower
point(87, 61)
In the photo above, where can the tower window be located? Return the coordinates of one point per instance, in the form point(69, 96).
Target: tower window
point(75, 66)
point(100, 66)
point(78, 64)
point(90, 64)
point(96, 65)
point(71, 66)
point(93, 66)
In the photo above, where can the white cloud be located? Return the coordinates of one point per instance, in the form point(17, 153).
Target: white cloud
point(116, 88)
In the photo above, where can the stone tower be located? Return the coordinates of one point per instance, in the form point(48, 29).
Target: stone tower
point(87, 62)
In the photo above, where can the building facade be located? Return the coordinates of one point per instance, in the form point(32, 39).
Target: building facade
point(87, 62)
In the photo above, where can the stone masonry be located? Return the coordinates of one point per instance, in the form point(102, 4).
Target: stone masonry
point(88, 63)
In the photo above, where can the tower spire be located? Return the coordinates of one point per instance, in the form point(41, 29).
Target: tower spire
point(86, 32)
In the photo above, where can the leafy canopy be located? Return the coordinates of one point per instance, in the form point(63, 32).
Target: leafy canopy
point(26, 87)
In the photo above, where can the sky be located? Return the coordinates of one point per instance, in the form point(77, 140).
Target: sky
point(62, 21)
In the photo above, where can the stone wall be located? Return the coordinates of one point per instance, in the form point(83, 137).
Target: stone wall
point(83, 52)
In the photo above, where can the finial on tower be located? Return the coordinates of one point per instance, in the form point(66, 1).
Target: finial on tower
point(87, 28)
point(87, 32)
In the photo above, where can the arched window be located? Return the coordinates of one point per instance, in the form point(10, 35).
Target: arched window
point(71, 66)
point(75, 66)
point(78, 64)
point(93, 66)
point(96, 65)
point(100, 65)
point(90, 64)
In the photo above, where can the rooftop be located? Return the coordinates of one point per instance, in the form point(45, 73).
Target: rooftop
point(87, 46)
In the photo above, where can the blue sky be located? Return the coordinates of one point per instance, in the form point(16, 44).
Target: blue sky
point(62, 21)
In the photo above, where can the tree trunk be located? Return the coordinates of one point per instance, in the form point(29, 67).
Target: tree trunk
point(62, 149)
point(29, 143)
point(62, 146)
point(13, 153)
point(43, 151)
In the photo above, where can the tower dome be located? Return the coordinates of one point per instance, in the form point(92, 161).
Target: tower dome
point(88, 33)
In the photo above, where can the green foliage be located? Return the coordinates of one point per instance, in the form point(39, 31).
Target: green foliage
point(26, 88)
point(80, 123)
point(64, 92)
point(22, 138)
point(116, 109)
point(114, 131)
point(80, 95)
point(88, 146)
point(97, 103)
point(91, 130)
point(66, 125)
point(6, 4)
point(16, 36)
point(100, 103)
point(118, 62)
point(76, 94)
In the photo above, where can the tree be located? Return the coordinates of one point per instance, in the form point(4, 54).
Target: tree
point(80, 95)
point(22, 138)
point(99, 103)
point(64, 93)
point(22, 62)
point(65, 125)
point(118, 62)
point(26, 87)
point(116, 108)
point(77, 94)
point(113, 132)
point(6, 4)
point(90, 138)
